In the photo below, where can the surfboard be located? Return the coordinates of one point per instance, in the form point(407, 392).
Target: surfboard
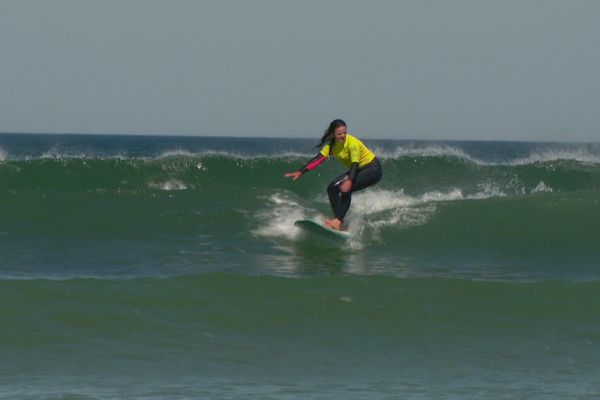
point(319, 229)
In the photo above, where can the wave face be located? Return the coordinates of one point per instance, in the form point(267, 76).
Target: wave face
point(74, 206)
point(159, 267)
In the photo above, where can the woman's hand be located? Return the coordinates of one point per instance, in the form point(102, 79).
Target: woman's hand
point(346, 186)
point(294, 175)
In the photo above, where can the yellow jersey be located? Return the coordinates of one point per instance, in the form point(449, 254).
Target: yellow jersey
point(351, 151)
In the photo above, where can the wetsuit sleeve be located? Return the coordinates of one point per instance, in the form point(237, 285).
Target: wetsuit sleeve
point(353, 171)
point(354, 159)
point(313, 163)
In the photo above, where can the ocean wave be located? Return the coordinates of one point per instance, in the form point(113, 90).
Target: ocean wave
point(584, 156)
point(580, 155)
point(56, 153)
point(433, 151)
point(382, 208)
point(372, 209)
point(378, 200)
point(230, 155)
point(400, 153)
point(434, 179)
point(61, 155)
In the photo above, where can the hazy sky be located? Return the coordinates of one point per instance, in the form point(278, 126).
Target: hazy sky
point(430, 69)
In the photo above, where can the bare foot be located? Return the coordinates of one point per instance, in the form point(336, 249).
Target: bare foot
point(333, 223)
point(327, 222)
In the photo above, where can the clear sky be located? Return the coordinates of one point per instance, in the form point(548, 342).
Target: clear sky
point(422, 69)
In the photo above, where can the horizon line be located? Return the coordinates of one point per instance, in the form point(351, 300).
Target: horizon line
point(183, 135)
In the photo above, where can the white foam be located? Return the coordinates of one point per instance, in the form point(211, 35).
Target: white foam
point(176, 153)
point(57, 154)
point(542, 188)
point(486, 191)
point(380, 208)
point(427, 151)
point(434, 150)
point(377, 200)
point(404, 217)
point(169, 185)
point(278, 219)
point(280, 216)
point(579, 155)
point(229, 154)
point(371, 210)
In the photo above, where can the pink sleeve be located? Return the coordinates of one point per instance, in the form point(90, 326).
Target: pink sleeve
point(315, 163)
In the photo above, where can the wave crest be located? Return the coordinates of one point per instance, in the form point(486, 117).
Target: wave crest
point(580, 155)
point(428, 152)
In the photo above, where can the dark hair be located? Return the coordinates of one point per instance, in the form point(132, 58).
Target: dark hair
point(329, 134)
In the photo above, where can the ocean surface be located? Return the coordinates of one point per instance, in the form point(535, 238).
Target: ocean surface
point(146, 267)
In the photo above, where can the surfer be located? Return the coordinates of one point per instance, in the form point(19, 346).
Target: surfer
point(364, 169)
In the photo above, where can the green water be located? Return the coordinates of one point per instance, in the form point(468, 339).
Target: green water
point(169, 268)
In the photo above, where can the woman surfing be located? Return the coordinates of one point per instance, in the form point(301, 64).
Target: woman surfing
point(364, 169)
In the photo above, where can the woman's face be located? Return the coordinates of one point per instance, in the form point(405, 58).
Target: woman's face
point(340, 134)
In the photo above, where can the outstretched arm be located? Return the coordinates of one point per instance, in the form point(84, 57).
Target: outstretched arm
point(311, 164)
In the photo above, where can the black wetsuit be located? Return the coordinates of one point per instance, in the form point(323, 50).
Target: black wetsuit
point(366, 176)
